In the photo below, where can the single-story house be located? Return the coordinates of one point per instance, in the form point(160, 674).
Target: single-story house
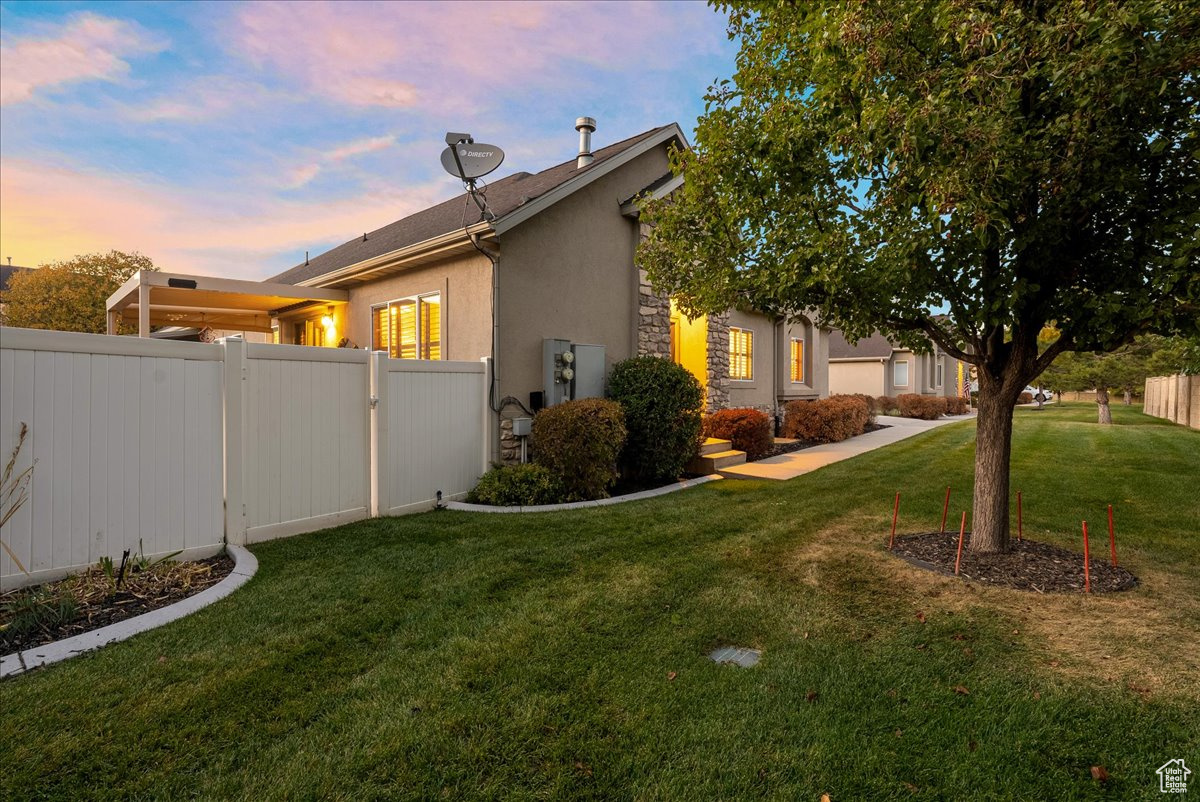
point(876, 366)
point(550, 270)
point(6, 274)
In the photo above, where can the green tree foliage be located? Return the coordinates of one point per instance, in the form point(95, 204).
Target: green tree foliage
point(662, 403)
point(70, 295)
point(1014, 164)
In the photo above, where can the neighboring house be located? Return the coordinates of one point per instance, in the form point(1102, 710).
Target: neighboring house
point(550, 270)
point(6, 274)
point(876, 366)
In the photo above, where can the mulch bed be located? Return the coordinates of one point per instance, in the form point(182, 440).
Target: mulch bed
point(98, 605)
point(1030, 565)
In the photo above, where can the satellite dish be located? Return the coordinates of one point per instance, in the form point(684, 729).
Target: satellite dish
point(475, 158)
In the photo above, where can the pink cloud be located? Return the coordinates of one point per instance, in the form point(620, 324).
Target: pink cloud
point(88, 47)
point(50, 212)
point(361, 146)
point(458, 54)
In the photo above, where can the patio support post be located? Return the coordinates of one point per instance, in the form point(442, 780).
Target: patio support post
point(112, 322)
point(143, 309)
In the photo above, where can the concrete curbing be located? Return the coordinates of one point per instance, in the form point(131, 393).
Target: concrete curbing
point(579, 505)
point(245, 565)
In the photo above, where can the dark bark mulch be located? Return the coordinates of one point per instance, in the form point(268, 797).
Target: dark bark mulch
point(1030, 565)
point(800, 445)
point(97, 606)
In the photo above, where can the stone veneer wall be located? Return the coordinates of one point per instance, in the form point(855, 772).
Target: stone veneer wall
point(654, 314)
point(718, 362)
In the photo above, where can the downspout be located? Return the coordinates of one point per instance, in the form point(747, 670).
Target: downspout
point(493, 256)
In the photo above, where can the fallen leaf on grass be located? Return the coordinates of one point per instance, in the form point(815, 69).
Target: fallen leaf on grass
point(972, 746)
point(825, 798)
point(810, 697)
point(969, 652)
point(1037, 694)
point(671, 675)
point(961, 689)
point(911, 787)
point(1099, 774)
point(959, 636)
point(899, 733)
point(1054, 664)
point(921, 616)
point(583, 768)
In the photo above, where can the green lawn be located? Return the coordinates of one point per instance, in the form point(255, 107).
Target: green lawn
point(461, 656)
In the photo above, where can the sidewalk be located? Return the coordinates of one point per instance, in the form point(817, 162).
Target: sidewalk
point(789, 466)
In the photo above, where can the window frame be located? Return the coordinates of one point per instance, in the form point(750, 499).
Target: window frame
point(793, 363)
point(422, 345)
point(749, 340)
point(940, 372)
point(907, 373)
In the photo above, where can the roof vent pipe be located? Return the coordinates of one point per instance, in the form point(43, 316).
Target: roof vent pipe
point(585, 126)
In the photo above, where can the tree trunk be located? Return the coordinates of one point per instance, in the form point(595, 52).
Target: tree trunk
point(1128, 398)
point(993, 447)
point(1102, 405)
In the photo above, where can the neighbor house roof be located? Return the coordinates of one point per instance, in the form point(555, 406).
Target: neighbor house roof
point(506, 198)
point(7, 272)
point(874, 347)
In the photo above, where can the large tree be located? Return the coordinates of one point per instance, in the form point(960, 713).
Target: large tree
point(70, 295)
point(1009, 164)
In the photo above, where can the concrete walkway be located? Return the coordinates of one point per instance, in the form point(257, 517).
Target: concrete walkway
point(789, 466)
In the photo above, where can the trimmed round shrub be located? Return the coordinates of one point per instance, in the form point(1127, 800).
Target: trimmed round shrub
point(1025, 398)
point(580, 441)
point(957, 406)
point(829, 420)
point(870, 402)
point(747, 429)
point(925, 407)
point(662, 403)
point(517, 486)
point(887, 405)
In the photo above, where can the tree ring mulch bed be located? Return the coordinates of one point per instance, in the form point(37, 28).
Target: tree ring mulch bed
point(1030, 565)
point(96, 603)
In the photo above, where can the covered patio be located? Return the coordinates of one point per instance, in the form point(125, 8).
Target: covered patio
point(154, 298)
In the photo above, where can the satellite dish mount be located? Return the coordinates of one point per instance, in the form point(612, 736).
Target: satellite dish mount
point(468, 160)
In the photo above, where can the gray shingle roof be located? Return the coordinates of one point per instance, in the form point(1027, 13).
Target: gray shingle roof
point(503, 197)
point(7, 272)
point(874, 347)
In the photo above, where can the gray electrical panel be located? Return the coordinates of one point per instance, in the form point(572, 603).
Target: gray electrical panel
point(589, 371)
point(571, 370)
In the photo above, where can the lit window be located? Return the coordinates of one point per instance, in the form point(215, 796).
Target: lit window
point(408, 328)
point(741, 354)
point(900, 374)
point(308, 332)
point(797, 360)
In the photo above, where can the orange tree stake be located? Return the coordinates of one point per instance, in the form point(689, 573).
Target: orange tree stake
point(1087, 579)
point(945, 509)
point(1020, 523)
point(895, 514)
point(961, 531)
point(1112, 537)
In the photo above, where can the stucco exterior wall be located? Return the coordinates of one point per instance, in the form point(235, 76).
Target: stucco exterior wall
point(759, 392)
point(847, 378)
point(569, 273)
point(465, 285)
point(815, 382)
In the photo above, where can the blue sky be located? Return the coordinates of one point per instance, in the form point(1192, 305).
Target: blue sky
point(228, 138)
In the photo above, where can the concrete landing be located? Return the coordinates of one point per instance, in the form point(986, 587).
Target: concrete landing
point(789, 466)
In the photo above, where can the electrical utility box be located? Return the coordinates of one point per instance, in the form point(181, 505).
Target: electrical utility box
point(571, 370)
point(589, 371)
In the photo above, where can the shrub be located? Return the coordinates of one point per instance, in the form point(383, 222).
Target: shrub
point(748, 429)
point(662, 403)
point(1025, 398)
point(925, 407)
point(957, 406)
point(579, 441)
point(887, 405)
point(826, 421)
point(517, 485)
point(870, 402)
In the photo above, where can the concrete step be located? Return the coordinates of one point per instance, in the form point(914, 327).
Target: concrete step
point(712, 463)
point(712, 445)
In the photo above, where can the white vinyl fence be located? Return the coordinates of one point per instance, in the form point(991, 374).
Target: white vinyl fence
point(124, 436)
point(164, 447)
point(430, 424)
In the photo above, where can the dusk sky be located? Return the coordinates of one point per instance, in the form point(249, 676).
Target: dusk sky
point(229, 138)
